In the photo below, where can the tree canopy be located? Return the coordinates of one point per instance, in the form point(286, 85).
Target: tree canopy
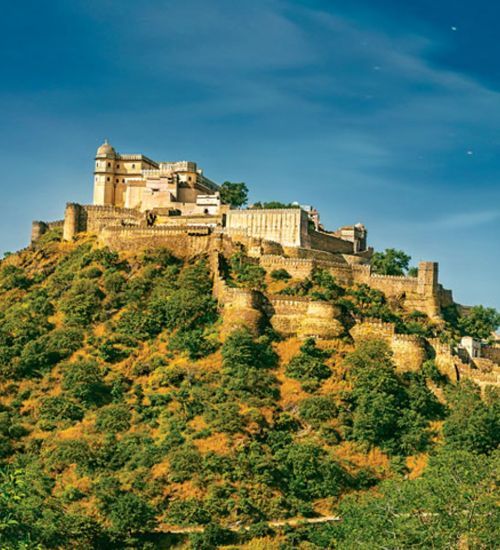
point(390, 262)
point(234, 194)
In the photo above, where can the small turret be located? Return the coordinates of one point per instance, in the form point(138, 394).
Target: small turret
point(104, 190)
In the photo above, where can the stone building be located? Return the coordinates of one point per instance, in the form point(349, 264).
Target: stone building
point(139, 203)
point(137, 182)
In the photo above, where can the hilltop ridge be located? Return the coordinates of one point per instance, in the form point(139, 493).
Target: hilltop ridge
point(142, 392)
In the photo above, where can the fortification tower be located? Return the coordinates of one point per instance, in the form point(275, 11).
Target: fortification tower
point(104, 190)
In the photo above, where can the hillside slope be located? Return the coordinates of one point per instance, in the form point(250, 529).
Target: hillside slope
point(124, 414)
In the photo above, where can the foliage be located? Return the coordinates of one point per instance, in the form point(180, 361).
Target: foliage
point(234, 194)
point(81, 302)
point(317, 410)
point(110, 422)
point(308, 366)
point(390, 262)
point(245, 273)
point(480, 322)
point(83, 380)
point(113, 418)
point(451, 504)
point(280, 275)
point(383, 408)
point(274, 205)
point(473, 424)
point(246, 362)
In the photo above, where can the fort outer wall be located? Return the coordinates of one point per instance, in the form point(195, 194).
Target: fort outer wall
point(39, 228)
point(421, 293)
point(287, 226)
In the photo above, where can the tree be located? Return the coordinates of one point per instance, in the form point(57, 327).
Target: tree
point(390, 262)
point(234, 194)
point(453, 505)
point(308, 366)
point(83, 379)
point(474, 423)
point(245, 362)
point(385, 409)
point(479, 322)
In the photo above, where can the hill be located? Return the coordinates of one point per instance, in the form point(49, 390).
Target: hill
point(134, 409)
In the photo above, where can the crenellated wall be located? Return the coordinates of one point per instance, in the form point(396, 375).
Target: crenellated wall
point(408, 349)
point(491, 352)
point(79, 218)
point(183, 241)
point(303, 317)
point(39, 228)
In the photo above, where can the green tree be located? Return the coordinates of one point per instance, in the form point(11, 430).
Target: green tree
point(113, 418)
point(308, 366)
point(385, 409)
point(390, 262)
point(83, 379)
point(452, 505)
point(246, 361)
point(317, 410)
point(473, 423)
point(234, 194)
point(480, 322)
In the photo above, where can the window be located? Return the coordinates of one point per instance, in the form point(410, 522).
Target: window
point(117, 180)
point(109, 164)
point(123, 181)
point(118, 166)
point(133, 165)
point(108, 179)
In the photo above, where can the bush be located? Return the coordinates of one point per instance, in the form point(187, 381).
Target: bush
point(59, 408)
point(113, 418)
point(317, 410)
point(67, 452)
point(184, 463)
point(308, 366)
point(193, 342)
point(308, 472)
point(473, 424)
point(280, 275)
point(245, 362)
point(83, 380)
point(13, 277)
point(42, 354)
point(81, 303)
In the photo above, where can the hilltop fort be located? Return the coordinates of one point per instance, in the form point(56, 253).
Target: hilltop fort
point(140, 203)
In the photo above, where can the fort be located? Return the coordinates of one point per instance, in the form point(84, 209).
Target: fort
point(140, 203)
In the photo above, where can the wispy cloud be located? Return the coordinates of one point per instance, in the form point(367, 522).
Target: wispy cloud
point(462, 220)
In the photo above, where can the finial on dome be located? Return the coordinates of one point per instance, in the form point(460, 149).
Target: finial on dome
point(106, 149)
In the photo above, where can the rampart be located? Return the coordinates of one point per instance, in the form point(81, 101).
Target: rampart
point(286, 226)
point(79, 218)
point(319, 240)
point(491, 352)
point(408, 349)
point(39, 228)
point(183, 241)
point(303, 317)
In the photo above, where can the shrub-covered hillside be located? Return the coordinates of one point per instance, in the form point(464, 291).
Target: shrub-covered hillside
point(124, 418)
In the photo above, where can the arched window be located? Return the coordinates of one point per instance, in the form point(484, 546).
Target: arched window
point(109, 164)
point(109, 179)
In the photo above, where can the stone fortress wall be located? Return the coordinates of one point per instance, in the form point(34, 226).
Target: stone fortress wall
point(279, 239)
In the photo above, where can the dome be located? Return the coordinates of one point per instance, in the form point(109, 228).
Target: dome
point(106, 149)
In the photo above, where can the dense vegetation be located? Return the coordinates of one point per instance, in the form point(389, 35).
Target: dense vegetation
point(122, 413)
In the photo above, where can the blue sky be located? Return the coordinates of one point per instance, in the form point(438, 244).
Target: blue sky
point(382, 112)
